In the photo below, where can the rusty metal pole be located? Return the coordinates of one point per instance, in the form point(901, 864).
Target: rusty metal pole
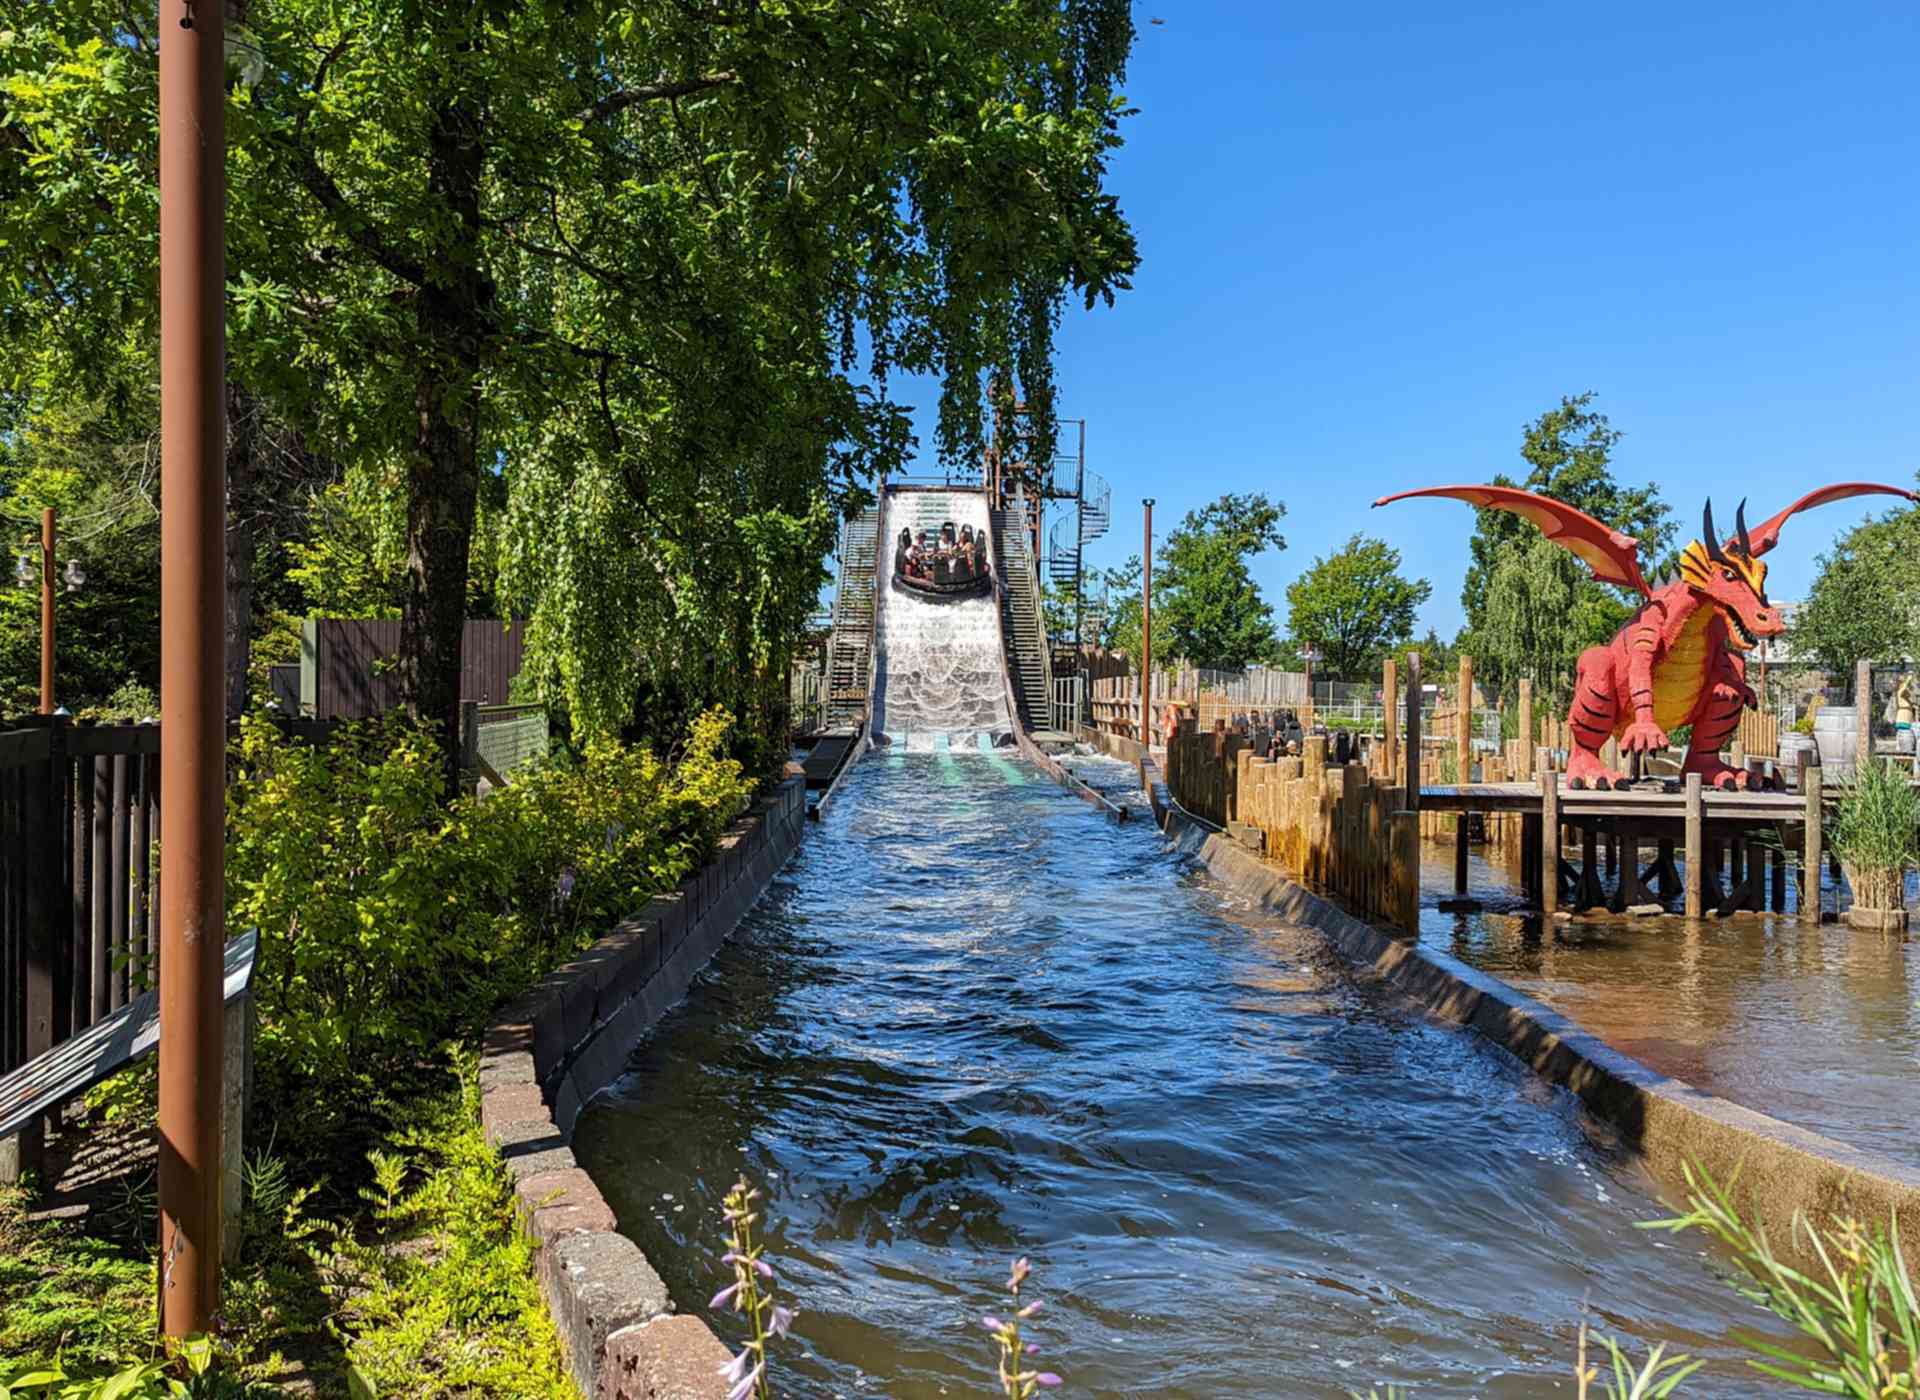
point(192, 661)
point(46, 611)
point(1146, 633)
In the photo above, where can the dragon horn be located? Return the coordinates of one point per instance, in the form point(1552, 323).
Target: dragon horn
point(1740, 525)
point(1709, 538)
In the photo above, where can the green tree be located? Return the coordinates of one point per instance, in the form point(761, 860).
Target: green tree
point(1865, 601)
point(1531, 612)
point(96, 467)
point(1436, 657)
point(1354, 606)
point(616, 256)
point(1205, 602)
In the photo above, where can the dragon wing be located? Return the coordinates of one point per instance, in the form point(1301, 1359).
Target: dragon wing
point(1766, 535)
point(1614, 557)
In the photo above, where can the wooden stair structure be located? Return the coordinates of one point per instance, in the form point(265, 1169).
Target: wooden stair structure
point(1028, 662)
point(850, 645)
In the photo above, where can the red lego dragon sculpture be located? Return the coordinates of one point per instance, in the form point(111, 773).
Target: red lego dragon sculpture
point(1681, 658)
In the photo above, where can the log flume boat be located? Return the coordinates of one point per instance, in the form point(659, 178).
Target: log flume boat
point(949, 587)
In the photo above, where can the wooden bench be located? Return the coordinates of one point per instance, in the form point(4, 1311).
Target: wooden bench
point(76, 1065)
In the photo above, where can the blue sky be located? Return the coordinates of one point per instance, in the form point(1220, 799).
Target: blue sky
point(1377, 240)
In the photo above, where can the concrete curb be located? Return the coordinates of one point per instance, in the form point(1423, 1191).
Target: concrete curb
point(1782, 1170)
point(551, 1051)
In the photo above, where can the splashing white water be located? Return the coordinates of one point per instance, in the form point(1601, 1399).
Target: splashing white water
point(938, 679)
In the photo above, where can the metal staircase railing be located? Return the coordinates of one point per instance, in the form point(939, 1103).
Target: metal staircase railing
point(850, 650)
point(1096, 508)
point(1027, 656)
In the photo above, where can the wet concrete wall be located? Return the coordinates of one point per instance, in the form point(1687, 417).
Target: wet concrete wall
point(1783, 1171)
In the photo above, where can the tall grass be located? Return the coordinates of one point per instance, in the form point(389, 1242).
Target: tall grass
point(1877, 823)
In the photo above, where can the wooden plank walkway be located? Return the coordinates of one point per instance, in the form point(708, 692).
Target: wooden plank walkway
point(1525, 798)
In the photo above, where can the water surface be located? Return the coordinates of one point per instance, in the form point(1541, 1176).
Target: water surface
point(1819, 1026)
point(973, 1020)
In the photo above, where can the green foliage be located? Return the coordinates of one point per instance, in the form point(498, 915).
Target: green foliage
point(1876, 822)
point(352, 562)
point(1858, 1314)
point(1656, 1378)
point(69, 1294)
point(1119, 618)
point(183, 1370)
point(602, 299)
point(1531, 608)
point(1354, 607)
point(97, 469)
point(1206, 605)
point(420, 1282)
point(130, 703)
point(431, 1282)
point(1862, 603)
point(389, 920)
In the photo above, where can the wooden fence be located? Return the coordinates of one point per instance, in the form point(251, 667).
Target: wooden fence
point(79, 819)
point(1206, 696)
point(1341, 829)
point(79, 827)
point(347, 665)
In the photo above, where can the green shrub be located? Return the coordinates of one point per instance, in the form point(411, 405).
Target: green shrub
point(66, 1293)
point(1877, 819)
point(1859, 1314)
point(391, 920)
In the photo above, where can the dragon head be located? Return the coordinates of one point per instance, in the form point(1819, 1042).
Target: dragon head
point(1732, 579)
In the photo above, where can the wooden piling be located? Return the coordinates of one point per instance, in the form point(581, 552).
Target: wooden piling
point(1525, 769)
point(1810, 857)
point(1463, 724)
point(1415, 775)
point(1406, 868)
point(1390, 720)
point(1592, 893)
point(1549, 836)
point(1863, 715)
point(1460, 853)
point(1696, 846)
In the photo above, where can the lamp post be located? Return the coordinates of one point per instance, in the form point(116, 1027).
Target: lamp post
point(1308, 655)
point(1146, 634)
point(25, 574)
point(193, 145)
point(46, 611)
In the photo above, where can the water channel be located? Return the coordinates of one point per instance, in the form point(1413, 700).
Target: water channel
point(973, 1019)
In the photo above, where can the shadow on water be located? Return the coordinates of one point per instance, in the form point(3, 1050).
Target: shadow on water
point(979, 1021)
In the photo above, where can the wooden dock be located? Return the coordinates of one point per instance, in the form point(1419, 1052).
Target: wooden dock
point(1724, 851)
point(1580, 804)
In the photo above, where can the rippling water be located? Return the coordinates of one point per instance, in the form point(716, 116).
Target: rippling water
point(1819, 1026)
point(974, 1020)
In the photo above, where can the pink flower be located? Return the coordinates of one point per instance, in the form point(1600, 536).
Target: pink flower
point(724, 1296)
